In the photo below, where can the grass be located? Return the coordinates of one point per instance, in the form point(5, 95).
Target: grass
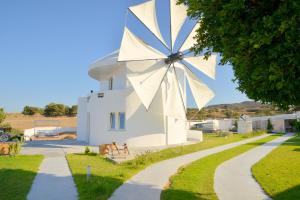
point(107, 176)
point(196, 181)
point(17, 174)
point(279, 172)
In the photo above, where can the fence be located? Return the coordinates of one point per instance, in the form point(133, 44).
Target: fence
point(48, 131)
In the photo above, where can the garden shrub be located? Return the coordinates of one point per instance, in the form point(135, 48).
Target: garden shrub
point(14, 148)
point(6, 127)
point(296, 126)
point(141, 159)
point(269, 126)
point(87, 150)
point(2, 115)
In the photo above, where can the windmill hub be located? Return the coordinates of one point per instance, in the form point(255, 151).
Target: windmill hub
point(174, 58)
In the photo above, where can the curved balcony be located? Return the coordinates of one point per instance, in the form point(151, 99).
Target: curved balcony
point(103, 68)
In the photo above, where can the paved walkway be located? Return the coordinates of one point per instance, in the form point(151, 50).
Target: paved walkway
point(149, 183)
point(54, 180)
point(234, 180)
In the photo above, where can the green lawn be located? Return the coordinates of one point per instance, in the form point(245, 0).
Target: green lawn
point(196, 181)
point(107, 176)
point(279, 172)
point(16, 175)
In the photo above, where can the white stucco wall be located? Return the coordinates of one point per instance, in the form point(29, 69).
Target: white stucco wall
point(142, 128)
point(195, 135)
point(278, 125)
point(244, 126)
point(225, 124)
point(119, 80)
point(177, 132)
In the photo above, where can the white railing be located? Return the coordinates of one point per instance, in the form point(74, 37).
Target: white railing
point(47, 131)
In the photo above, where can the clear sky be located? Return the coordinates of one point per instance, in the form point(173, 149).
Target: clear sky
point(47, 46)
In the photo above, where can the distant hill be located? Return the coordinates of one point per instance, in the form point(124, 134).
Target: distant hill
point(233, 110)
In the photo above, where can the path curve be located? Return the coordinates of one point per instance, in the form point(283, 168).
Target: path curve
point(234, 180)
point(149, 183)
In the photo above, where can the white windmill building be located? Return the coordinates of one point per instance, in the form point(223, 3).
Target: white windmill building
point(142, 97)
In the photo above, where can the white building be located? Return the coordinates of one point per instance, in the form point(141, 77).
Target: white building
point(212, 125)
point(281, 123)
point(116, 114)
point(142, 96)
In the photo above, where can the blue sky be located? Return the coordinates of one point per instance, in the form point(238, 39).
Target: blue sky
point(47, 46)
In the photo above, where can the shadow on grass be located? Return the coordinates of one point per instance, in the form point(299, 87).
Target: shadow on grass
point(292, 142)
point(297, 149)
point(171, 194)
point(290, 194)
point(97, 187)
point(88, 154)
point(15, 184)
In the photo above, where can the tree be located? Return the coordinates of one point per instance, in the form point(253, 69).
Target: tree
point(261, 41)
point(297, 126)
point(71, 111)
point(2, 115)
point(269, 126)
point(6, 127)
point(228, 113)
point(29, 110)
point(54, 110)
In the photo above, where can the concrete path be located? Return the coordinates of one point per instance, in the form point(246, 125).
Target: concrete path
point(234, 180)
point(149, 183)
point(54, 180)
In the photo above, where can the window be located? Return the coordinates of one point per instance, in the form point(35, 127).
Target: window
point(117, 121)
point(112, 121)
point(110, 84)
point(100, 95)
point(122, 118)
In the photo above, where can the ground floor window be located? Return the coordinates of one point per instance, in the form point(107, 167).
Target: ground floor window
point(112, 120)
point(122, 120)
point(117, 120)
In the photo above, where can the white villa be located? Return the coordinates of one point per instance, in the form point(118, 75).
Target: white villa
point(116, 114)
point(281, 123)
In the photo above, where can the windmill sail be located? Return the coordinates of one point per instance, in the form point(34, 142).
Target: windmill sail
point(147, 68)
point(190, 40)
point(146, 13)
point(178, 16)
point(201, 93)
point(174, 105)
point(146, 77)
point(133, 48)
point(208, 67)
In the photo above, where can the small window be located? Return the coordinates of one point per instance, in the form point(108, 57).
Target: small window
point(122, 118)
point(112, 121)
point(100, 95)
point(110, 84)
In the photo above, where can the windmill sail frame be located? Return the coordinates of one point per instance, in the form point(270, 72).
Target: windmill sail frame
point(146, 52)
